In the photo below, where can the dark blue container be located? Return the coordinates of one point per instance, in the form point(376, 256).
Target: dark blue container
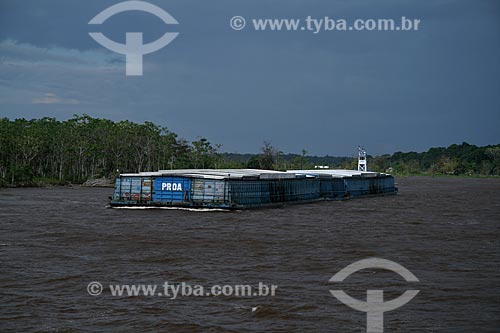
point(272, 192)
point(333, 188)
point(172, 189)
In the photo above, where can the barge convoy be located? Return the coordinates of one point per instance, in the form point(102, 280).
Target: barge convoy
point(247, 188)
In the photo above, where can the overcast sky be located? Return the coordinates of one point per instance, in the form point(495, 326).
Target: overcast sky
point(327, 92)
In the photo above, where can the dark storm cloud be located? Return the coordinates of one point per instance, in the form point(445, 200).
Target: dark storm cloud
point(325, 92)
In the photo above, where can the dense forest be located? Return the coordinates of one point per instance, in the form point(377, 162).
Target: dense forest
point(43, 151)
point(463, 159)
point(84, 147)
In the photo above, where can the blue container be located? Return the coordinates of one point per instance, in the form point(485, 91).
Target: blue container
point(268, 192)
point(333, 188)
point(249, 192)
point(172, 189)
point(356, 187)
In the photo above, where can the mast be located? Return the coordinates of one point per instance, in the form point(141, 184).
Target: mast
point(362, 166)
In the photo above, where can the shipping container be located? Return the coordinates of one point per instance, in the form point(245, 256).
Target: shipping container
point(247, 193)
point(341, 184)
point(210, 192)
point(133, 189)
point(171, 189)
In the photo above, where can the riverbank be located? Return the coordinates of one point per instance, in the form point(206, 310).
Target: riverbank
point(403, 175)
point(51, 182)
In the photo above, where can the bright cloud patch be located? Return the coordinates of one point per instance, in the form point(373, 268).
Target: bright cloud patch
point(51, 98)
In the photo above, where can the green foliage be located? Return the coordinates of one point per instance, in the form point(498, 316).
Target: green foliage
point(464, 159)
point(37, 150)
point(266, 160)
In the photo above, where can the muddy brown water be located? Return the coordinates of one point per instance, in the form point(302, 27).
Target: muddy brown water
point(55, 241)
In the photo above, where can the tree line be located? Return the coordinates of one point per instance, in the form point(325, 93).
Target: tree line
point(84, 147)
point(460, 160)
point(46, 150)
point(457, 159)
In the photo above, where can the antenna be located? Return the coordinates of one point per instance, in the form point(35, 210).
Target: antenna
point(362, 166)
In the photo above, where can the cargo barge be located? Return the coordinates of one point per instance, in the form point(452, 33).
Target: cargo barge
point(245, 188)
